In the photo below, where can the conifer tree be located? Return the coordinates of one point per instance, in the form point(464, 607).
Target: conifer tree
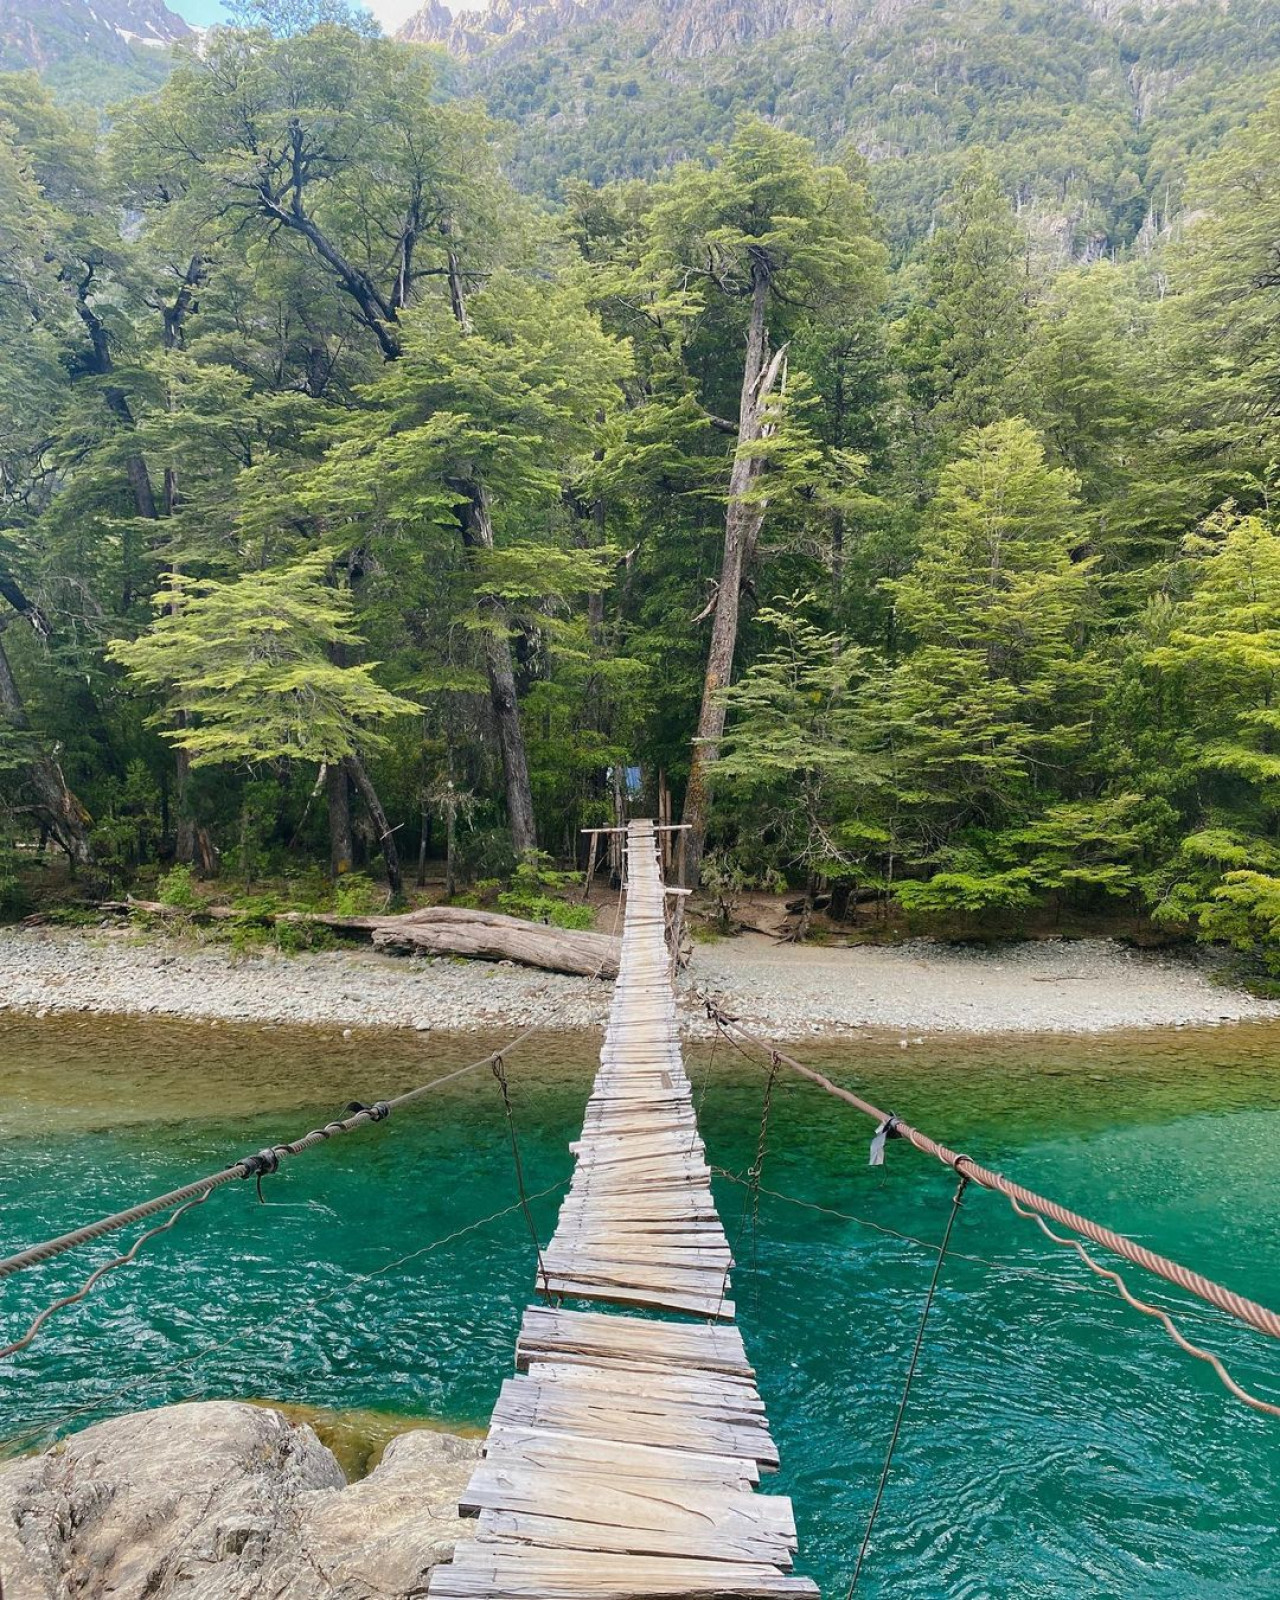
point(996, 693)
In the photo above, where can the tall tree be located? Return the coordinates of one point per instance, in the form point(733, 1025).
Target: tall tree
point(994, 700)
point(480, 420)
point(963, 341)
point(764, 235)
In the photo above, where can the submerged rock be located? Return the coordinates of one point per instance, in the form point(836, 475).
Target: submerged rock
point(225, 1501)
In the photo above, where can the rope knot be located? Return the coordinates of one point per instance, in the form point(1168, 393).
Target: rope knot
point(379, 1111)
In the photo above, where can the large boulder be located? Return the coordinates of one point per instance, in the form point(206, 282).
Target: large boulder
point(224, 1501)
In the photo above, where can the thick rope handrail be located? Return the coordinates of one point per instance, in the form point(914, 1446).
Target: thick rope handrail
point(1256, 1316)
point(40, 1430)
point(257, 1166)
point(1171, 1328)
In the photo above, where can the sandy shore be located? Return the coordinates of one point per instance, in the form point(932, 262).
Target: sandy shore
point(1085, 986)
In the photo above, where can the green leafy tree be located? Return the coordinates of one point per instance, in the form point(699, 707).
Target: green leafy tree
point(246, 669)
point(988, 711)
point(963, 342)
point(798, 753)
point(1220, 662)
point(479, 426)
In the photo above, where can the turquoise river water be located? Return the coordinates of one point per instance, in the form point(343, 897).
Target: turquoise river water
point(1057, 1443)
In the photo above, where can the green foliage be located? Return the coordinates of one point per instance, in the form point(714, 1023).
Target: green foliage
point(355, 894)
point(343, 471)
point(248, 668)
point(178, 889)
point(1046, 86)
point(538, 892)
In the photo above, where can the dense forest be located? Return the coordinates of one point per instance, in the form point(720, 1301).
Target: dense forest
point(361, 506)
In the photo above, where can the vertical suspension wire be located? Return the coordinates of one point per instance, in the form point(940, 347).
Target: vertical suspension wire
point(956, 1199)
point(500, 1073)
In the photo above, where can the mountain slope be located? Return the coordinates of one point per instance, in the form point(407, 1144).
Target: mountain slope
point(1091, 110)
point(93, 52)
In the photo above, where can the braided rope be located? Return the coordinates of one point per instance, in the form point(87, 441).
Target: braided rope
point(1256, 1316)
point(261, 1164)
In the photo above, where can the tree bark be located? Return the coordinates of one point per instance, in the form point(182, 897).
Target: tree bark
point(437, 930)
point(448, 930)
point(337, 788)
point(56, 807)
point(743, 520)
point(386, 834)
point(288, 210)
point(424, 843)
point(477, 534)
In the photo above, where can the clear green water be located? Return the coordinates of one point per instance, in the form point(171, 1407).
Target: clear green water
point(1057, 1444)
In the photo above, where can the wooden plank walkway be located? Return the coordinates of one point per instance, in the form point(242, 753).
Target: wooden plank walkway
point(623, 1458)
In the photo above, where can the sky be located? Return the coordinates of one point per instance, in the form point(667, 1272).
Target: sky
point(390, 13)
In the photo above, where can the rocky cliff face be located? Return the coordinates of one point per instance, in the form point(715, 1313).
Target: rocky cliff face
point(42, 33)
point(94, 51)
point(681, 28)
point(221, 1499)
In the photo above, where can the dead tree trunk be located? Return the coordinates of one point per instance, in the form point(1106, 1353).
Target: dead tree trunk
point(337, 788)
point(489, 936)
point(386, 833)
point(743, 520)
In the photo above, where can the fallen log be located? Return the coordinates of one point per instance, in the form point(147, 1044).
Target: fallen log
point(489, 936)
point(434, 930)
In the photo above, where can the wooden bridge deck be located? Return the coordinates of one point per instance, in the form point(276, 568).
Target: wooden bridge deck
point(622, 1459)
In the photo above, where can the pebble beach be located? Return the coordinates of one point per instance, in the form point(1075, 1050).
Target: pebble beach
point(787, 991)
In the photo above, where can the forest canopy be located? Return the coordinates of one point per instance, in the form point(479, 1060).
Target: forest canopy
point(351, 500)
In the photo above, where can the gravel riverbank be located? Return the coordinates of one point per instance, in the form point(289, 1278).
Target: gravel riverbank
point(1082, 986)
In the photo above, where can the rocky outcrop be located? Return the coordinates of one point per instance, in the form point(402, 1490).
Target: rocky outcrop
point(682, 28)
point(224, 1501)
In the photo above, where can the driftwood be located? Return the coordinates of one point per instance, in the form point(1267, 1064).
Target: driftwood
point(489, 936)
point(436, 930)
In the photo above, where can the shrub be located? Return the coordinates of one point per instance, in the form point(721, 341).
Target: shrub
point(178, 889)
point(537, 892)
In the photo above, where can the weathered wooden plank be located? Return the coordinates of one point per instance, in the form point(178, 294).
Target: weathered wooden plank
point(622, 1462)
point(493, 1570)
point(592, 1332)
point(666, 1504)
point(714, 1540)
point(613, 1459)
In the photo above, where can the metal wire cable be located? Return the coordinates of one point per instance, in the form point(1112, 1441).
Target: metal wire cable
point(311, 1303)
point(910, 1379)
point(91, 1281)
point(1170, 1326)
point(1256, 1316)
point(894, 1233)
point(751, 1200)
point(500, 1073)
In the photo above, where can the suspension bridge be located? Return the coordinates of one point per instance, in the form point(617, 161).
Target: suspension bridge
point(623, 1458)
